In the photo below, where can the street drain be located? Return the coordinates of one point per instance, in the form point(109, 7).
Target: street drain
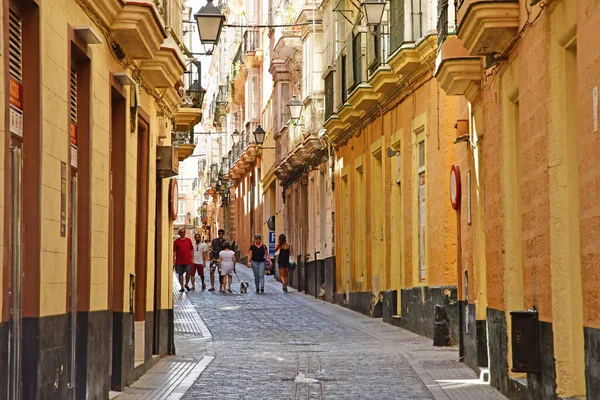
point(442, 365)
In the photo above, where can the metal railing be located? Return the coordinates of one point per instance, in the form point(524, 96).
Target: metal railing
point(251, 41)
point(378, 48)
point(442, 22)
point(182, 137)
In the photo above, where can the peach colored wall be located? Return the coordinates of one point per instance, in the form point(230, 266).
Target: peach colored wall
point(588, 71)
point(441, 153)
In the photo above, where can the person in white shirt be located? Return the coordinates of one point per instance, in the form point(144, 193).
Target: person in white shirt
point(200, 254)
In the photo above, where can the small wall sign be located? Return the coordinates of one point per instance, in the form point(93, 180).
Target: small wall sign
point(455, 187)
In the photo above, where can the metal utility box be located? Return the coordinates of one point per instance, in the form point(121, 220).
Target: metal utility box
point(167, 161)
point(525, 341)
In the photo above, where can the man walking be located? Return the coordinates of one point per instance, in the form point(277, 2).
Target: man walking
point(183, 252)
point(216, 246)
point(200, 250)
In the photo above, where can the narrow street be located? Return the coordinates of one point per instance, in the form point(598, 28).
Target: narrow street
point(291, 346)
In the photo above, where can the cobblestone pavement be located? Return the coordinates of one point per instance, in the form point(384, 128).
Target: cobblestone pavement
point(172, 376)
point(288, 346)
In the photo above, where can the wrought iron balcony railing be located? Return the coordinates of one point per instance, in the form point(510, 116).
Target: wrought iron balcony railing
point(442, 22)
point(251, 41)
point(182, 137)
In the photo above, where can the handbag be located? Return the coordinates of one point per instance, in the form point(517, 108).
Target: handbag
point(268, 263)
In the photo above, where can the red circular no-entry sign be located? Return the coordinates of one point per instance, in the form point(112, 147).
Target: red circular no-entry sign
point(455, 187)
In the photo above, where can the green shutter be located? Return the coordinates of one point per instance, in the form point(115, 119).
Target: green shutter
point(396, 24)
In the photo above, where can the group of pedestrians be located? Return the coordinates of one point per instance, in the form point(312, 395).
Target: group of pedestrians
point(190, 259)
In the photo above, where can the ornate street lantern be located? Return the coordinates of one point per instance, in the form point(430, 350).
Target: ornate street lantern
point(235, 136)
point(295, 107)
point(259, 135)
point(373, 10)
point(210, 22)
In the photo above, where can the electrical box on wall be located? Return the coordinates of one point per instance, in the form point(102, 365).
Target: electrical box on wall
point(525, 341)
point(167, 161)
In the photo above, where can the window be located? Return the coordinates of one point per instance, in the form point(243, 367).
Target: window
point(422, 209)
point(396, 24)
point(329, 95)
point(344, 77)
point(357, 60)
point(181, 212)
point(417, 19)
point(421, 146)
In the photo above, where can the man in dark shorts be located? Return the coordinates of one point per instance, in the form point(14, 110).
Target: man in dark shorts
point(183, 255)
point(216, 247)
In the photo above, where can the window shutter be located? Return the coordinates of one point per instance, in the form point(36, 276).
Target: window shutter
point(349, 63)
point(15, 32)
point(74, 95)
point(396, 24)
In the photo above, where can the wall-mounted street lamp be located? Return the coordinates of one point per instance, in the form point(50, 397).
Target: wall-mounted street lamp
point(206, 195)
point(373, 10)
point(259, 138)
point(295, 107)
point(235, 136)
point(210, 22)
point(259, 135)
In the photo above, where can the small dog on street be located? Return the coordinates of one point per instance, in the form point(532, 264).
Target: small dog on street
point(243, 287)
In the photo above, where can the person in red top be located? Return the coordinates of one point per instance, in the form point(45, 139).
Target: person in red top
point(183, 253)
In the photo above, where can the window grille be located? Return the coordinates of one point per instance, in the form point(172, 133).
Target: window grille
point(73, 95)
point(15, 37)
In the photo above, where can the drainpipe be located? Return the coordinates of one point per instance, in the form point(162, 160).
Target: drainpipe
point(316, 276)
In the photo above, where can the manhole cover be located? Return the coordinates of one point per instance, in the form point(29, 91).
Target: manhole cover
point(442, 365)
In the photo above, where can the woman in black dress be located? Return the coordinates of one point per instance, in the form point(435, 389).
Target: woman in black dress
point(285, 249)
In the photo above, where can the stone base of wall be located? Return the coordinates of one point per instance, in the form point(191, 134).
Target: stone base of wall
point(592, 362)
point(45, 358)
point(475, 351)
point(320, 279)
point(537, 386)
point(362, 302)
point(390, 305)
point(4, 358)
point(496, 322)
point(418, 309)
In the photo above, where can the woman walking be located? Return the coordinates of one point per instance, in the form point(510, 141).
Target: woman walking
point(227, 265)
point(285, 249)
point(257, 260)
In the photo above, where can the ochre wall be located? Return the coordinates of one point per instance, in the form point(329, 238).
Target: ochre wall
point(393, 259)
point(54, 98)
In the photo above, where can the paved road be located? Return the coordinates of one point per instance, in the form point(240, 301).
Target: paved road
point(289, 346)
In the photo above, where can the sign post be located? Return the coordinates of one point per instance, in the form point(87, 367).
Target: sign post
point(271, 242)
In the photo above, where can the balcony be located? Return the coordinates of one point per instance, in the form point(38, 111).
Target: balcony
point(107, 11)
point(243, 156)
point(251, 50)
point(184, 142)
point(307, 152)
point(166, 68)
point(458, 73)
point(190, 112)
point(487, 26)
point(138, 28)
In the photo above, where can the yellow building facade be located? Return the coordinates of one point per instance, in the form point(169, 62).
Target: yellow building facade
point(392, 130)
point(526, 74)
point(91, 93)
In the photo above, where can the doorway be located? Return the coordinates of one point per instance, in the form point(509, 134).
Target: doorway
point(141, 248)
